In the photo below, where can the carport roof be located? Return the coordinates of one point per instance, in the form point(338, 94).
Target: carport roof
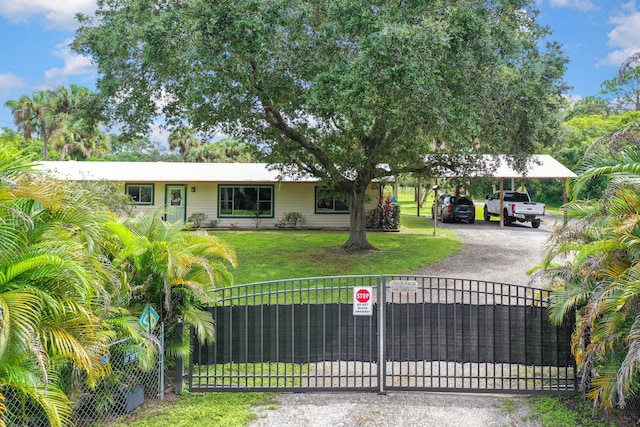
point(537, 166)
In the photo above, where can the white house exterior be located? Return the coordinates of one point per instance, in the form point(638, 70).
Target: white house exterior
point(227, 193)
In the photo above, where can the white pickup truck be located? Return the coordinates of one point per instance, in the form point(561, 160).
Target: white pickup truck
point(517, 207)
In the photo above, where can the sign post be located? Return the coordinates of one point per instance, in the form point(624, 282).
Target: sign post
point(362, 301)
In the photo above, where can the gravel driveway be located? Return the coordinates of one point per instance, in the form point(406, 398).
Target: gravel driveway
point(490, 253)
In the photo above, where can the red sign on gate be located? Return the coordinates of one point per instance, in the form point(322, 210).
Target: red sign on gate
point(362, 302)
point(363, 295)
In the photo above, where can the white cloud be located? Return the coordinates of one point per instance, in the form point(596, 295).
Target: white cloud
point(11, 82)
point(582, 5)
point(56, 13)
point(73, 65)
point(159, 133)
point(625, 36)
point(573, 98)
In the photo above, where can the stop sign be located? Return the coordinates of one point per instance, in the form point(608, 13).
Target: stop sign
point(363, 295)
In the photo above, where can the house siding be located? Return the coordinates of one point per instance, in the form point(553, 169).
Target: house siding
point(287, 197)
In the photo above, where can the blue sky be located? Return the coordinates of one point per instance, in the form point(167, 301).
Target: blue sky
point(596, 35)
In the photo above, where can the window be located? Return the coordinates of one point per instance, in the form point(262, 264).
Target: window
point(328, 201)
point(245, 201)
point(141, 194)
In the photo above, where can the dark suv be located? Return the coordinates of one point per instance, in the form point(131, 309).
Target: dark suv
point(454, 208)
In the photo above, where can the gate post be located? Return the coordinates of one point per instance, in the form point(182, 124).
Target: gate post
point(382, 294)
point(179, 372)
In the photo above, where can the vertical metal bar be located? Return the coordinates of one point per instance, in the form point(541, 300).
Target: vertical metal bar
point(161, 363)
point(324, 329)
point(489, 307)
point(382, 368)
point(542, 343)
point(423, 329)
point(179, 379)
point(527, 361)
point(438, 335)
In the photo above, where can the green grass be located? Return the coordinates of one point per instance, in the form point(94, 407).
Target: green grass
point(272, 254)
point(203, 409)
point(250, 374)
point(268, 255)
point(567, 411)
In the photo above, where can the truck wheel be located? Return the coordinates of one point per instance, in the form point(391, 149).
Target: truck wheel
point(487, 217)
point(535, 223)
point(472, 220)
point(507, 219)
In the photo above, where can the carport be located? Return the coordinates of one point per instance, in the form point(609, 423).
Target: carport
point(537, 166)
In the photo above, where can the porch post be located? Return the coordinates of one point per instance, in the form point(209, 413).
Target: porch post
point(565, 216)
point(501, 202)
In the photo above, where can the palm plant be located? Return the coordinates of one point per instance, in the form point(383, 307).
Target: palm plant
point(33, 114)
point(176, 271)
point(51, 287)
point(64, 116)
point(593, 264)
point(183, 139)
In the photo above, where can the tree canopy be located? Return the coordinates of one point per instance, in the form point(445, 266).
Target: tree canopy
point(624, 89)
point(333, 89)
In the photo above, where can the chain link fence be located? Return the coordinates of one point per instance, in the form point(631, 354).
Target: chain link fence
point(136, 378)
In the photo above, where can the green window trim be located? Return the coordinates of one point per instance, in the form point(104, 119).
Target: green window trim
point(327, 202)
point(140, 194)
point(244, 200)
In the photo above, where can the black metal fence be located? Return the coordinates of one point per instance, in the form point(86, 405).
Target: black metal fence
point(382, 333)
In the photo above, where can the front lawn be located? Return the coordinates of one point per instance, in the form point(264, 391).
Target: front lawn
point(269, 255)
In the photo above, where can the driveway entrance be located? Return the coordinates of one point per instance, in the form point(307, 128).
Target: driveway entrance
point(423, 333)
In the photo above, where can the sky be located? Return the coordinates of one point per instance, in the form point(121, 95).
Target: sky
point(596, 36)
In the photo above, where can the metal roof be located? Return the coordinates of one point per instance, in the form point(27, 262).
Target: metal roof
point(166, 172)
point(538, 166)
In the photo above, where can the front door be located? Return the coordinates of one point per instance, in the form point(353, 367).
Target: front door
point(176, 203)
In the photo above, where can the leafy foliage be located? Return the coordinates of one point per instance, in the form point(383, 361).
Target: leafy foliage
point(291, 220)
point(333, 89)
point(73, 279)
point(386, 216)
point(176, 271)
point(624, 89)
point(53, 288)
point(592, 263)
point(68, 118)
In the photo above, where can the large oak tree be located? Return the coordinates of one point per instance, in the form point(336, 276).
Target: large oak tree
point(333, 88)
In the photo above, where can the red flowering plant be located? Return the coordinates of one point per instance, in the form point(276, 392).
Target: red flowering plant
point(386, 216)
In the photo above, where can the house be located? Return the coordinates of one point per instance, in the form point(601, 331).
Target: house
point(243, 195)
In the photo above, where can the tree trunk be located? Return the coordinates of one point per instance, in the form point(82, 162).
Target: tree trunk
point(45, 138)
point(357, 222)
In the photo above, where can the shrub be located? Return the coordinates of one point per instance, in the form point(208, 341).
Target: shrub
point(291, 220)
point(386, 216)
point(198, 219)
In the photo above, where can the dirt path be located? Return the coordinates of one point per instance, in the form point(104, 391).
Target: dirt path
point(490, 253)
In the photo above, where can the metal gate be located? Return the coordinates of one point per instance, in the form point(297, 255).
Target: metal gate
point(422, 333)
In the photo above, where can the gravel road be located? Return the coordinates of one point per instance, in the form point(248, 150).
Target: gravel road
point(490, 253)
